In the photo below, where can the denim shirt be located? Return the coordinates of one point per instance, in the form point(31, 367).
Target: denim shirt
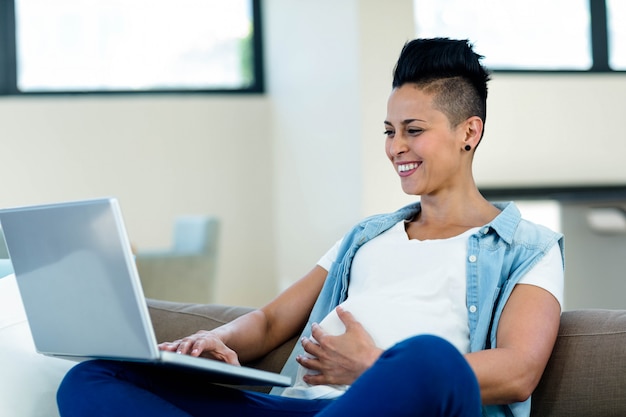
point(499, 254)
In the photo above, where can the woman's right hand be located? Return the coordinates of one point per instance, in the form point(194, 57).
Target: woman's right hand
point(203, 343)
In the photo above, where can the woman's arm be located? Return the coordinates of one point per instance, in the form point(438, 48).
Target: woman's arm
point(258, 332)
point(525, 337)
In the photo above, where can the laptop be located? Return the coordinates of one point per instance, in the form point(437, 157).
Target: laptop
point(81, 291)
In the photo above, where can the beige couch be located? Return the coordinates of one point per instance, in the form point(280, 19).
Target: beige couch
point(586, 375)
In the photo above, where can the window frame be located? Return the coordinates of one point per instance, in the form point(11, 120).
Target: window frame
point(8, 63)
point(599, 40)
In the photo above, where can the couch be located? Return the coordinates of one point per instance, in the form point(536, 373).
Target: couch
point(586, 375)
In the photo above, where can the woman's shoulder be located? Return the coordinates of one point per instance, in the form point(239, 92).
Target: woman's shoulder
point(537, 235)
point(514, 228)
point(371, 226)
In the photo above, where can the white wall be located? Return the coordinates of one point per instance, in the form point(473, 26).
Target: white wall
point(385, 31)
point(554, 130)
point(290, 171)
point(313, 83)
point(161, 156)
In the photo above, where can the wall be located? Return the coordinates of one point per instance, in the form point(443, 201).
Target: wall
point(595, 260)
point(313, 83)
point(161, 156)
point(379, 52)
point(553, 130)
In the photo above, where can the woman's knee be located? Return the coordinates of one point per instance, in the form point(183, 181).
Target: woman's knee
point(84, 372)
point(77, 386)
point(75, 377)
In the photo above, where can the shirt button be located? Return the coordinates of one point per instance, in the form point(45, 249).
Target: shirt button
point(472, 258)
point(472, 309)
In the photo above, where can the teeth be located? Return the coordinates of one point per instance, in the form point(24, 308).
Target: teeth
point(407, 167)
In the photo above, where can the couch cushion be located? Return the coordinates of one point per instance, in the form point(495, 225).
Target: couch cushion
point(586, 374)
point(174, 320)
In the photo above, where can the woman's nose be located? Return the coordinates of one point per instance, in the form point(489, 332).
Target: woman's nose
point(398, 145)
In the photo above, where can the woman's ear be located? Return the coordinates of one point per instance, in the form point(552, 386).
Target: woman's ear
point(473, 128)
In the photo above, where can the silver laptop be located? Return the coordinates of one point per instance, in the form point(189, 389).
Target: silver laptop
point(82, 294)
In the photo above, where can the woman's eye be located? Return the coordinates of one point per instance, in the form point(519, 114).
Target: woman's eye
point(414, 131)
point(388, 132)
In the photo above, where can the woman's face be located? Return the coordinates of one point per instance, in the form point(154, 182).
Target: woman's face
point(425, 150)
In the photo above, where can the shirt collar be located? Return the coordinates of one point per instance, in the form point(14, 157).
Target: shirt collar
point(505, 223)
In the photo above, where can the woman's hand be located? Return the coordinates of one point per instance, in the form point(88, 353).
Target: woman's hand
point(203, 343)
point(338, 360)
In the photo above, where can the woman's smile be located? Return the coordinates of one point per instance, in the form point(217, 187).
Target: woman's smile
point(406, 169)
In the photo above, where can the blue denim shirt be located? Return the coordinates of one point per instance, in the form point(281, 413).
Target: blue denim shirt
point(499, 254)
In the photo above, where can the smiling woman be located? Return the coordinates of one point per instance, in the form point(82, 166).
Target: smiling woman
point(492, 280)
point(145, 46)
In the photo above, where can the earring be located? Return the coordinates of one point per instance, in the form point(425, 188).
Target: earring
point(468, 148)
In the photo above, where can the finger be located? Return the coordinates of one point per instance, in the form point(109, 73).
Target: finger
point(199, 347)
point(318, 379)
point(311, 347)
point(184, 347)
point(211, 349)
point(346, 317)
point(317, 332)
point(169, 346)
point(310, 363)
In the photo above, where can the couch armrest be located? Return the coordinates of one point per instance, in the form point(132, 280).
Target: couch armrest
point(586, 374)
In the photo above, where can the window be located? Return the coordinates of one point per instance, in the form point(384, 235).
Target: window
point(77, 46)
point(616, 13)
point(533, 35)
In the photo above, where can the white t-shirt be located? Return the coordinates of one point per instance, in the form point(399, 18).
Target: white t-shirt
point(401, 287)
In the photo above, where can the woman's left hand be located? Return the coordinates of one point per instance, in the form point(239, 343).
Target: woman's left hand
point(338, 360)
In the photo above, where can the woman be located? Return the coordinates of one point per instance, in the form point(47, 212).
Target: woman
point(442, 307)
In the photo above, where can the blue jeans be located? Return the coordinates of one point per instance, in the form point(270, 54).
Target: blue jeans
point(421, 376)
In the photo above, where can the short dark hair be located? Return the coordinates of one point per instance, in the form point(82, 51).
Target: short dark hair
point(449, 69)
